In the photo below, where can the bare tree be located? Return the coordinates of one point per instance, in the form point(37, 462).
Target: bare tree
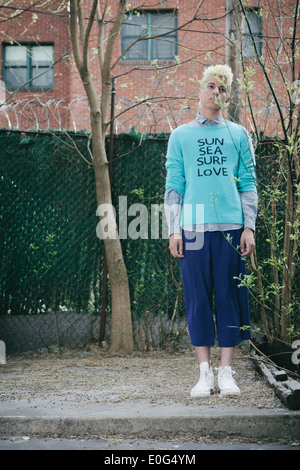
point(121, 328)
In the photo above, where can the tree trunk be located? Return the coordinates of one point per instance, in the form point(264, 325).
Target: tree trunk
point(121, 323)
point(121, 328)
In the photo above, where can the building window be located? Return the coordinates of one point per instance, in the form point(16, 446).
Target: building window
point(148, 24)
point(254, 17)
point(23, 66)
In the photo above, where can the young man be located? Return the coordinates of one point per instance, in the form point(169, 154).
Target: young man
point(210, 172)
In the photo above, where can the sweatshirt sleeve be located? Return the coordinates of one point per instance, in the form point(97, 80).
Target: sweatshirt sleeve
point(175, 165)
point(246, 172)
point(172, 206)
point(249, 202)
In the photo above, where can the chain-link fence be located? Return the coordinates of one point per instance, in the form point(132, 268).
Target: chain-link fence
point(51, 258)
point(52, 264)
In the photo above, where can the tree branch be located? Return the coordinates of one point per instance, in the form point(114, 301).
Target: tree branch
point(100, 37)
point(74, 34)
point(294, 39)
point(81, 22)
point(87, 35)
point(106, 69)
point(113, 34)
point(151, 99)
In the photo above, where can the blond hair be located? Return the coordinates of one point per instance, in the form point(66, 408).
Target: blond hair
point(222, 72)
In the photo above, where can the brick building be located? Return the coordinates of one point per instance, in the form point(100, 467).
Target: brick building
point(161, 73)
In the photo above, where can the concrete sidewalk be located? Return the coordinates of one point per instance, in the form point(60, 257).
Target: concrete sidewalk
point(145, 420)
point(87, 394)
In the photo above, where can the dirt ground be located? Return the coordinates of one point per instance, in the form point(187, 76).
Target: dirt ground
point(92, 375)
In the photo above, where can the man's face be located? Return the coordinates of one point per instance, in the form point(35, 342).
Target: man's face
point(214, 94)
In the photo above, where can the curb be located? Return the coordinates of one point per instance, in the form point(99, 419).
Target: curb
point(148, 421)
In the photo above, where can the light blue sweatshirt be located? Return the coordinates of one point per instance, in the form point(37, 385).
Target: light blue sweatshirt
point(209, 166)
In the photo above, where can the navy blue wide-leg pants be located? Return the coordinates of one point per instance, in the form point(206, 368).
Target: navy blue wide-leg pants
point(208, 276)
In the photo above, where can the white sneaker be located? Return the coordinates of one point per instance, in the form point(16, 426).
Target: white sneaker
point(226, 382)
point(206, 382)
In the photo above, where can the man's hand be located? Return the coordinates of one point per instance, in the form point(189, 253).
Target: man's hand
point(176, 245)
point(247, 242)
